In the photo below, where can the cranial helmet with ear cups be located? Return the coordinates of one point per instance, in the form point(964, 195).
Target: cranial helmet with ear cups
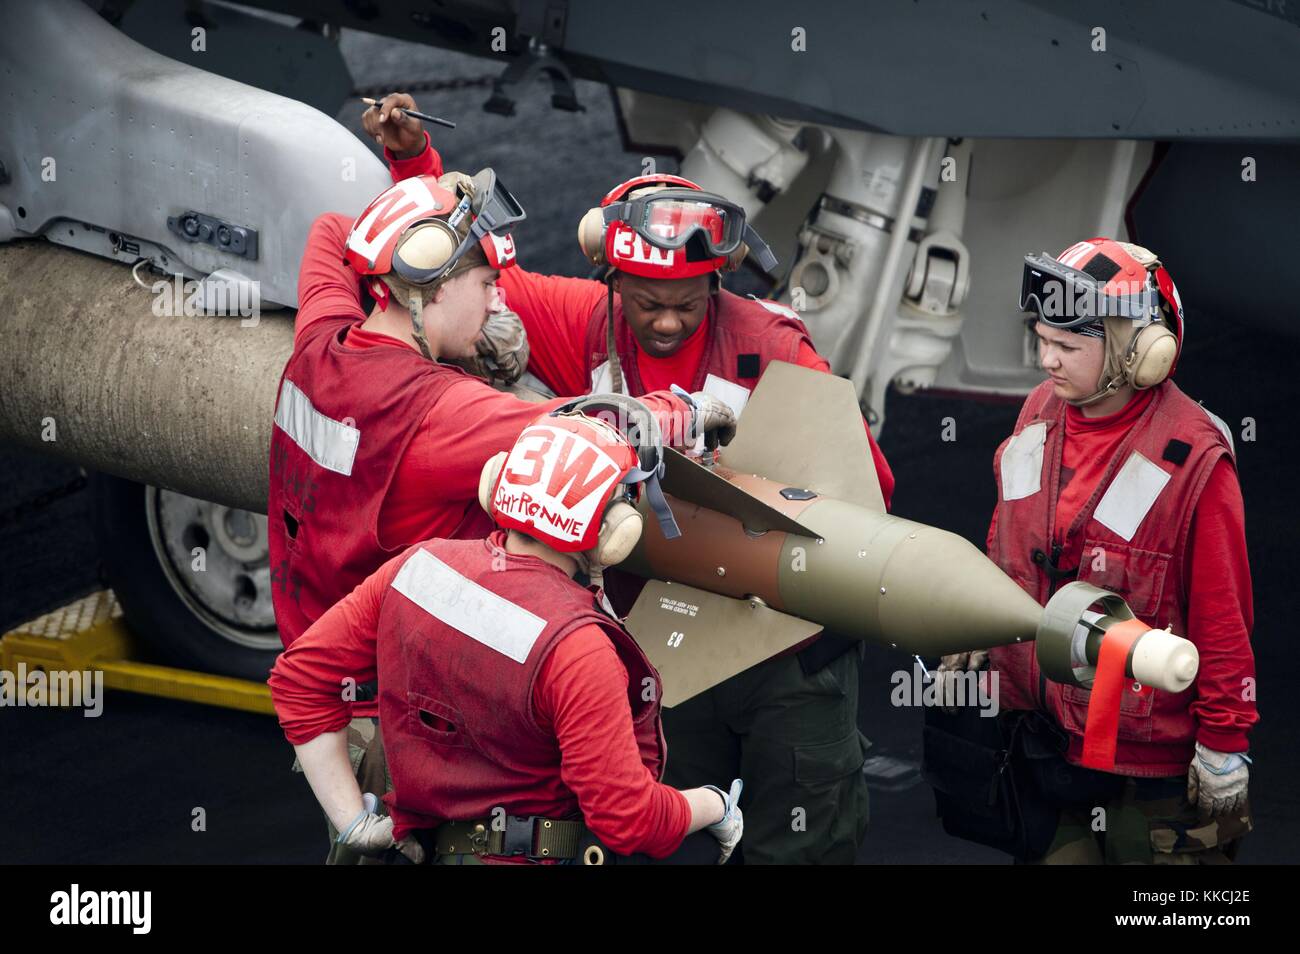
point(569, 482)
point(663, 226)
point(424, 231)
point(1127, 295)
point(1144, 354)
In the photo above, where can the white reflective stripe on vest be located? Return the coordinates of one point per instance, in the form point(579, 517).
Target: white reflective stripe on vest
point(328, 442)
point(602, 379)
point(1022, 463)
point(1131, 495)
point(465, 606)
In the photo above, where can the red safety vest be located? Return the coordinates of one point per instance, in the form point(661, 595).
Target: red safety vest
point(460, 643)
point(1130, 538)
point(343, 420)
point(746, 334)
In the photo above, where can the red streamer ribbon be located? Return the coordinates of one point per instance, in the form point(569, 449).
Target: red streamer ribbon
point(1101, 733)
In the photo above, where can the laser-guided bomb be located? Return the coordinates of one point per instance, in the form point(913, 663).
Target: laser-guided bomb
point(786, 534)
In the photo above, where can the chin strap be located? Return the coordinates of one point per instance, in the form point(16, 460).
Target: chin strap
point(415, 304)
point(611, 351)
point(596, 581)
point(1106, 390)
point(1121, 376)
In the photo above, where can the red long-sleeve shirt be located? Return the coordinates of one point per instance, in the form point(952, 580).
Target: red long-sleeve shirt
point(555, 312)
point(1218, 595)
point(580, 695)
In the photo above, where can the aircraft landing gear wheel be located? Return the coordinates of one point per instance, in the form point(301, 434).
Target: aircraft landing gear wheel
point(193, 577)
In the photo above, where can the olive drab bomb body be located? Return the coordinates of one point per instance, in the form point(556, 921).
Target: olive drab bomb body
point(786, 534)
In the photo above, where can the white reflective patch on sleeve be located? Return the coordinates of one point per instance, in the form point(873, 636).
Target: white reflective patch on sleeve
point(467, 607)
point(736, 395)
point(328, 442)
point(1022, 463)
point(1130, 495)
point(1222, 425)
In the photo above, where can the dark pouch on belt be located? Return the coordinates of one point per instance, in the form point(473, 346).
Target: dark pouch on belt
point(981, 793)
point(1040, 747)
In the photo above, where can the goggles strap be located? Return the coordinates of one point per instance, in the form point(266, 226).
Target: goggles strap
point(761, 251)
point(654, 494)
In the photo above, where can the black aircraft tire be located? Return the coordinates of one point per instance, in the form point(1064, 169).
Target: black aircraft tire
point(178, 629)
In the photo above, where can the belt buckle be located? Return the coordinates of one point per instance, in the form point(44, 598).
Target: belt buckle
point(518, 835)
point(478, 840)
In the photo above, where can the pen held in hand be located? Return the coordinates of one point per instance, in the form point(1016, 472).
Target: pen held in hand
point(376, 103)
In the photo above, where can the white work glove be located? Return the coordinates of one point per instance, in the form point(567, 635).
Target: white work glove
point(950, 665)
point(371, 834)
point(1217, 781)
point(732, 826)
point(713, 418)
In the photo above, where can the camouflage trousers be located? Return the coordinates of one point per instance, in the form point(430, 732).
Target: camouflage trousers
point(1149, 822)
point(794, 740)
point(366, 751)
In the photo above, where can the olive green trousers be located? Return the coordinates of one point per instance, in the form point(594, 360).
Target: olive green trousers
point(794, 740)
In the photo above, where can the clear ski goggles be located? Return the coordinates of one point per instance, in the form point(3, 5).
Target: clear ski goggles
point(669, 218)
point(497, 213)
point(1066, 297)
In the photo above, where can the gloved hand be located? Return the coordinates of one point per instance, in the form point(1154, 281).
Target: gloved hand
point(457, 183)
point(1217, 781)
point(501, 351)
point(732, 826)
point(371, 834)
point(949, 666)
point(714, 418)
point(503, 344)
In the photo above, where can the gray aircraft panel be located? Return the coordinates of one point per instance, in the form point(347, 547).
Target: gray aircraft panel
point(125, 139)
point(1197, 69)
